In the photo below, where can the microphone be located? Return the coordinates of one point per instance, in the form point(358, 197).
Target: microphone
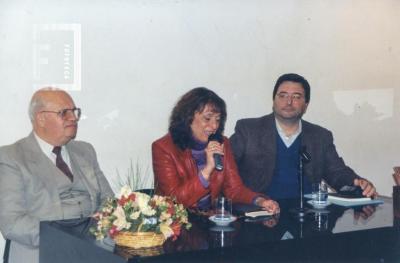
point(219, 165)
point(305, 156)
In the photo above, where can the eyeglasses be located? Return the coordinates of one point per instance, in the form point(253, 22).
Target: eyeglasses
point(65, 112)
point(286, 96)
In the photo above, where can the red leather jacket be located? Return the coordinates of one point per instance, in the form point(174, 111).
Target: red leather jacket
point(176, 174)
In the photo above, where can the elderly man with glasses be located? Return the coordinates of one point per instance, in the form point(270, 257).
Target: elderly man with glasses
point(47, 175)
point(267, 149)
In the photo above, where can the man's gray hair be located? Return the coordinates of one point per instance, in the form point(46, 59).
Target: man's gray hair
point(37, 102)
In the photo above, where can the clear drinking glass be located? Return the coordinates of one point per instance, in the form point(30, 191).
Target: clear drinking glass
point(319, 193)
point(223, 208)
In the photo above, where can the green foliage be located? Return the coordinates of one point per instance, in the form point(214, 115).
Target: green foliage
point(136, 177)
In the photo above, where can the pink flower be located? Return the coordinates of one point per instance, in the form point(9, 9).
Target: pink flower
point(176, 228)
point(122, 201)
point(113, 231)
point(171, 210)
point(97, 216)
point(132, 197)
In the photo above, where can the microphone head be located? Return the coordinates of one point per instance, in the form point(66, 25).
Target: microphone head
point(305, 155)
point(216, 137)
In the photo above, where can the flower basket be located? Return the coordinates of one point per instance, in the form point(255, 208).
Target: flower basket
point(139, 239)
point(137, 220)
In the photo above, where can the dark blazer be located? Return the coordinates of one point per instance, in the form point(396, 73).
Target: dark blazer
point(254, 147)
point(176, 174)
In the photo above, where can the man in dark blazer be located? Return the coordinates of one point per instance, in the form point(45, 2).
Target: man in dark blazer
point(38, 183)
point(266, 149)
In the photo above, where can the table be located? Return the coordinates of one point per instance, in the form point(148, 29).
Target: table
point(362, 234)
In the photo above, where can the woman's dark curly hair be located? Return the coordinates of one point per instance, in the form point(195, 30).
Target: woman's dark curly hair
point(183, 113)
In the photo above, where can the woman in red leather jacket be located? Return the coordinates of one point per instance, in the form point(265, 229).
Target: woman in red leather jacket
point(183, 161)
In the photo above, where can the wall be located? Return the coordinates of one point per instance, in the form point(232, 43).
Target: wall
point(126, 63)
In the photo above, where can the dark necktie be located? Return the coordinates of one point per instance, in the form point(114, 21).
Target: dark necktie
point(61, 164)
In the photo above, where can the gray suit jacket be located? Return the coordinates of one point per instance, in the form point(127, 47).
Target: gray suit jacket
point(254, 147)
point(28, 191)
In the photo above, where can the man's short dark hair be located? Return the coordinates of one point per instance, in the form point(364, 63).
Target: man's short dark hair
point(294, 78)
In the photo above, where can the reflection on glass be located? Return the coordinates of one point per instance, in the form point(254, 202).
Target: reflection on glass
point(221, 236)
point(321, 221)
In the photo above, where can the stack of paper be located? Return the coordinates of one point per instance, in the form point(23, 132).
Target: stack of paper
point(258, 213)
point(352, 201)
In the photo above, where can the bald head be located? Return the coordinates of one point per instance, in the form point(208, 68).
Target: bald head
point(41, 98)
point(44, 112)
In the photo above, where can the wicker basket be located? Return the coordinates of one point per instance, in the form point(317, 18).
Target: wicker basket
point(139, 239)
point(128, 252)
